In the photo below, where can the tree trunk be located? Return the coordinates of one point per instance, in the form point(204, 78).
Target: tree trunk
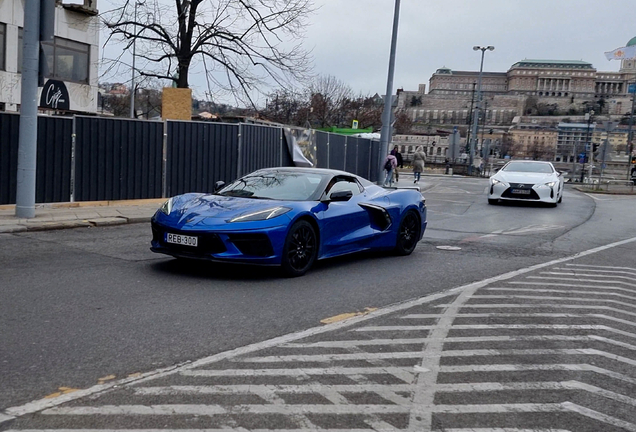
point(182, 79)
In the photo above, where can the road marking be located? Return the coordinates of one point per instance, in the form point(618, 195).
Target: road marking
point(424, 392)
point(538, 306)
point(598, 293)
point(353, 343)
point(573, 286)
point(581, 280)
point(498, 368)
point(345, 316)
point(569, 299)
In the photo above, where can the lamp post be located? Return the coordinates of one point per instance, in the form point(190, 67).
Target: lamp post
point(590, 152)
point(132, 79)
point(385, 132)
point(630, 146)
point(476, 113)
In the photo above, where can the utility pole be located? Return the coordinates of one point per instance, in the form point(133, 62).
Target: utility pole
point(385, 133)
point(470, 117)
point(27, 150)
point(630, 145)
point(476, 119)
point(132, 79)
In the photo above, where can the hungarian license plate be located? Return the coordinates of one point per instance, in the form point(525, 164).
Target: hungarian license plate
point(521, 191)
point(182, 239)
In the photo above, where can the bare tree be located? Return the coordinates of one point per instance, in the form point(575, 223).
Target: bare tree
point(242, 45)
point(328, 96)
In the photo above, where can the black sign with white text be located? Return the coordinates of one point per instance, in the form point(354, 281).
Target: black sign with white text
point(55, 96)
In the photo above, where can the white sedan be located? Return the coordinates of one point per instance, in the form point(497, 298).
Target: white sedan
point(526, 181)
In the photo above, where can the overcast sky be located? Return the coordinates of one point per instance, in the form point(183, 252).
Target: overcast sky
point(350, 39)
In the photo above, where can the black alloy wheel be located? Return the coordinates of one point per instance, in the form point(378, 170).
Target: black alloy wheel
point(408, 233)
point(300, 250)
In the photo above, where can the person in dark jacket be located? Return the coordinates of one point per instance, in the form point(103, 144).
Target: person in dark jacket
point(400, 162)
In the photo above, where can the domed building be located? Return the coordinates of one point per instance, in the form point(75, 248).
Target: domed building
point(629, 65)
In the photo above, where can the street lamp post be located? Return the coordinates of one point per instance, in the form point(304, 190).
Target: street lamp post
point(590, 151)
point(385, 132)
point(476, 113)
point(132, 79)
point(630, 146)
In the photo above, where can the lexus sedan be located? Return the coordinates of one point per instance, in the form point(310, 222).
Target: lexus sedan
point(526, 181)
point(290, 217)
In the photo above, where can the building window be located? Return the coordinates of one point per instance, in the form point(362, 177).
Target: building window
point(67, 60)
point(20, 41)
point(3, 44)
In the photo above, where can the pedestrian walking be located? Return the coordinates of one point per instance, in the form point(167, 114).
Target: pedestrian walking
point(419, 159)
point(390, 164)
point(400, 162)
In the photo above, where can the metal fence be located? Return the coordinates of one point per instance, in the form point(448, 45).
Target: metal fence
point(95, 159)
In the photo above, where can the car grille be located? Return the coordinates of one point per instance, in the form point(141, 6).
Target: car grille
point(520, 191)
point(209, 243)
point(252, 244)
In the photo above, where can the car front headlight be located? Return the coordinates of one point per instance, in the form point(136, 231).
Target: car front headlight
point(494, 181)
point(550, 184)
point(261, 215)
point(166, 208)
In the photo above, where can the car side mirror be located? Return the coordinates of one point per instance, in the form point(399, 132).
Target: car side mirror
point(341, 196)
point(218, 185)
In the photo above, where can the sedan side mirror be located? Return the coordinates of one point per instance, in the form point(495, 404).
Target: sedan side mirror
point(218, 185)
point(341, 196)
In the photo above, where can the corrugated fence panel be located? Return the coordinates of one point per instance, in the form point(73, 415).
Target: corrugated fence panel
point(351, 155)
point(9, 130)
point(337, 151)
point(53, 178)
point(322, 149)
point(375, 161)
point(261, 147)
point(200, 154)
point(364, 158)
point(117, 159)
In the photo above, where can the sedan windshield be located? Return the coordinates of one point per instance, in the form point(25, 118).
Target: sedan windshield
point(277, 185)
point(529, 167)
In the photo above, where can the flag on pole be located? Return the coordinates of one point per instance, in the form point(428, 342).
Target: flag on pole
point(622, 53)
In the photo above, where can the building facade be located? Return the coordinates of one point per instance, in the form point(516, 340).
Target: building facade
point(557, 85)
point(71, 58)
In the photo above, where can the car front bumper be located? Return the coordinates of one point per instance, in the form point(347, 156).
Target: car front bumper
point(511, 192)
point(262, 246)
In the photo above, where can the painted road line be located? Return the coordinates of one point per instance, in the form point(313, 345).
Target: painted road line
point(592, 266)
point(499, 368)
point(569, 299)
point(252, 388)
point(573, 279)
point(590, 273)
point(354, 343)
point(215, 410)
point(613, 288)
point(537, 385)
point(403, 373)
point(540, 305)
point(330, 357)
point(557, 291)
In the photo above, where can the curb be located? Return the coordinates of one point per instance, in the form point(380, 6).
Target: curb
point(84, 223)
point(75, 204)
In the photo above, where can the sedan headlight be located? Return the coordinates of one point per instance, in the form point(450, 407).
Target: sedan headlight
point(261, 215)
point(494, 181)
point(548, 184)
point(166, 208)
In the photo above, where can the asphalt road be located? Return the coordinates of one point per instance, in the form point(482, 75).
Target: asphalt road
point(86, 306)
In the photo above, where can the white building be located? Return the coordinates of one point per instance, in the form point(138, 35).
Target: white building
point(71, 58)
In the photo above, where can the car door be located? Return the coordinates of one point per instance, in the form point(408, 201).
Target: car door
point(344, 224)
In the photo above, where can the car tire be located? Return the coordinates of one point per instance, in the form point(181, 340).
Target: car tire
point(300, 249)
point(493, 201)
point(408, 234)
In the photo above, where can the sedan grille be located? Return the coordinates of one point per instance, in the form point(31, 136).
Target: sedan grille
point(520, 191)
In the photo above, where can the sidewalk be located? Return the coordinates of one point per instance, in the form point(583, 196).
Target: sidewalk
point(79, 214)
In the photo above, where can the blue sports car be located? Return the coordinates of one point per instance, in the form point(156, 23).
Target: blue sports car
point(290, 217)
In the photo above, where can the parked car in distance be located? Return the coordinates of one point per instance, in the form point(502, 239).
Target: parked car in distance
point(290, 217)
point(526, 180)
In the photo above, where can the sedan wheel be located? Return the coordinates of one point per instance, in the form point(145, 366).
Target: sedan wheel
point(408, 233)
point(300, 250)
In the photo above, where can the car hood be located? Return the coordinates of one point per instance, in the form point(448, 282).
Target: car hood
point(524, 177)
point(193, 208)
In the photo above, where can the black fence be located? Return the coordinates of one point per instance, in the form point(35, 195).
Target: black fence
point(96, 159)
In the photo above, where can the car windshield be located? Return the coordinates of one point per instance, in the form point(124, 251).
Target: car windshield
point(277, 185)
point(529, 167)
